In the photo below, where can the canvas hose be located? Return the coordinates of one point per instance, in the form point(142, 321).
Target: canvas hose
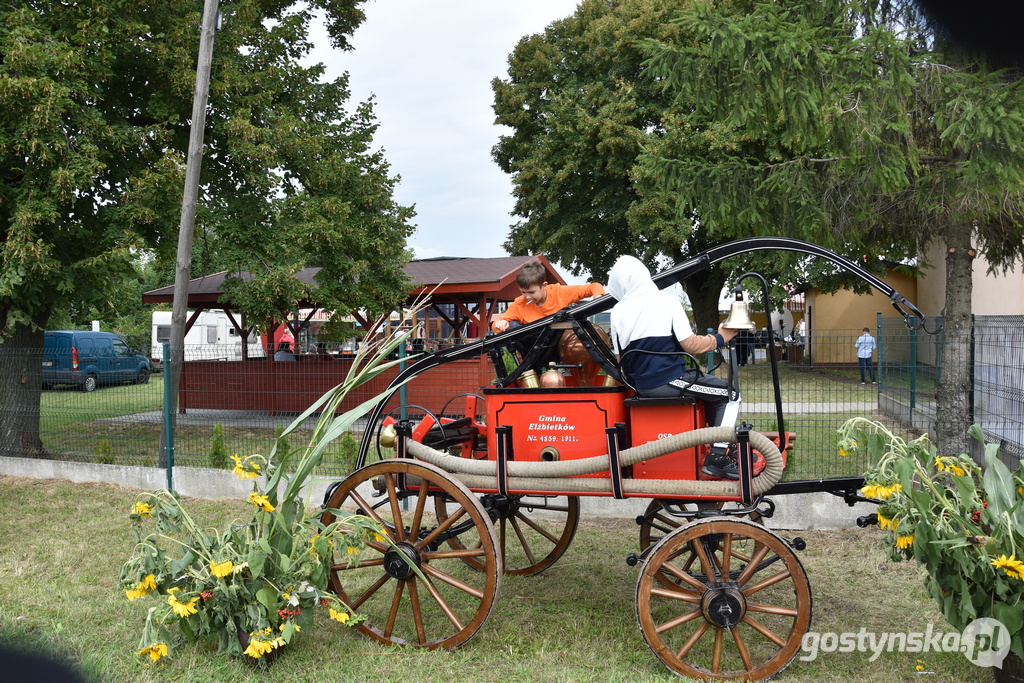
point(563, 475)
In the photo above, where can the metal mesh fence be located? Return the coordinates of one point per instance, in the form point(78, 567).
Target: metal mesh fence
point(820, 388)
point(239, 407)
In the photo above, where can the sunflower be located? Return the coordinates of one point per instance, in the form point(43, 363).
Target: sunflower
point(142, 510)
point(262, 642)
point(881, 492)
point(142, 590)
point(1013, 567)
point(221, 569)
point(261, 501)
point(245, 468)
point(182, 609)
point(885, 522)
point(155, 651)
point(947, 464)
point(905, 541)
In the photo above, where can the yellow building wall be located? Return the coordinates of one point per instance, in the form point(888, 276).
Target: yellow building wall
point(993, 294)
point(840, 318)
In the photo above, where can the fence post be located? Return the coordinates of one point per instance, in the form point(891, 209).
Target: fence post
point(913, 368)
point(711, 354)
point(878, 368)
point(402, 395)
point(168, 422)
point(973, 387)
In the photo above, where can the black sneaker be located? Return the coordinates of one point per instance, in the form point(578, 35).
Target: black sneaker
point(721, 463)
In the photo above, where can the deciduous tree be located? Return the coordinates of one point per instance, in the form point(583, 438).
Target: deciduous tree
point(580, 111)
point(583, 108)
point(95, 100)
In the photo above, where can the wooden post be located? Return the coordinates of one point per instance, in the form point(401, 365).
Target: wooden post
point(188, 214)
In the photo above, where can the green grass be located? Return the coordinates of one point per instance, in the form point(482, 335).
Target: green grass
point(575, 622)
point(69, 404)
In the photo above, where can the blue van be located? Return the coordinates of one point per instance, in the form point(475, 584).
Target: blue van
point(88, 359)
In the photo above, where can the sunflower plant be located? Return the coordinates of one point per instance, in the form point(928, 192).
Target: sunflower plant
point(252, 586)
point(962, 522)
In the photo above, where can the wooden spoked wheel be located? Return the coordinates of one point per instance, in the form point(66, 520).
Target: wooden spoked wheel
point(533, 530)
point(449, 604)
point(739, 607)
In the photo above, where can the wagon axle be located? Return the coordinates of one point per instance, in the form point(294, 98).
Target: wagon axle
point(400, 560)
point(723, 604)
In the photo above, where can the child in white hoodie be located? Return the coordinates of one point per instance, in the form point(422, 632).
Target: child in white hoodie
point(648, 329)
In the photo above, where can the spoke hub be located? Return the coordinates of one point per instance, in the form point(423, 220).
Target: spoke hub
point(723, 604)
point(399, 561)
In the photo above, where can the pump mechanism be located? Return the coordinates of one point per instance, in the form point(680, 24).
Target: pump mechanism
point(739, 314)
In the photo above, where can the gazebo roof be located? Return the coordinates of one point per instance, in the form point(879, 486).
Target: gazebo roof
point(462, 279)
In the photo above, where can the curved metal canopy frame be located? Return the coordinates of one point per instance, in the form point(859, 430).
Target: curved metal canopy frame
point(667, 278)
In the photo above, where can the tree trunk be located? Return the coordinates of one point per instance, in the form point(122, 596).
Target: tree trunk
point(704, 293)
point(953, 405)
point(21, 362)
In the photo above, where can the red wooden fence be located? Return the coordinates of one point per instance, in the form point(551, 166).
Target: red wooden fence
point(290, 387)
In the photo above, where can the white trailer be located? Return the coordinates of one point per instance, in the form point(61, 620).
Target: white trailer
point(211, 337)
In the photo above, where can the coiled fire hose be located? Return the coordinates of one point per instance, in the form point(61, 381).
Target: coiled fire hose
point(562, 475)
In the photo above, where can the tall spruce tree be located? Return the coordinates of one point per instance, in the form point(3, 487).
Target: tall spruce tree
point(879, 130)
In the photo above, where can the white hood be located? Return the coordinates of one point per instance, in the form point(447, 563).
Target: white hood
point(629, 277)
point(643, 309)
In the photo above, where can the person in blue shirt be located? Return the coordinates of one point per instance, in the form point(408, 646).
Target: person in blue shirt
point(865, 347)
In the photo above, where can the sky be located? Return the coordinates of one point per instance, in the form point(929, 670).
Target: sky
point(429, 65)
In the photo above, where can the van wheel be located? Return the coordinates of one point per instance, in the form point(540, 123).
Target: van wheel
point(89, 383)
point(47, 386)
point(142, 377)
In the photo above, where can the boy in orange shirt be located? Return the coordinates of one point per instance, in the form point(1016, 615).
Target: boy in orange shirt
point(539, 299)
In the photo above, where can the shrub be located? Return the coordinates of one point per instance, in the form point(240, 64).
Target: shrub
point(105, 452)
point(218, 449)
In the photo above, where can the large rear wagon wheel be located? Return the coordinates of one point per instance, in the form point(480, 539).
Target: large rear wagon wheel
point(739, 604)
point(533, 530)
point(447, 607)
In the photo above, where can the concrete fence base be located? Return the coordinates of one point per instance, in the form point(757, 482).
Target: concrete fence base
point(794, 511)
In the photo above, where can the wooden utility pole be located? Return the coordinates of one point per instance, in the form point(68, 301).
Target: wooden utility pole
point(186, 227)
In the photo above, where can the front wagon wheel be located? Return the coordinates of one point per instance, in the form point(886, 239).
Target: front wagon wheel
point(723, 598)
point(142, 377)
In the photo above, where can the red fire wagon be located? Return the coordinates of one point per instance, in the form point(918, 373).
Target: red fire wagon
point(492, 486)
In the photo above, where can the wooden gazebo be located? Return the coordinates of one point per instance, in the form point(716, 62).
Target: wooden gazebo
point(464, 293)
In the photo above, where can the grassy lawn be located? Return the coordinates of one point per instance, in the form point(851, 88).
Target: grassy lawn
point(64, 544)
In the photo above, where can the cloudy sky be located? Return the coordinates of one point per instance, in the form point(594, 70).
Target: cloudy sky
point(429, 64)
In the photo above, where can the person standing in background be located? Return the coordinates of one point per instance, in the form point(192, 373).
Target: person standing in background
point(865, 347)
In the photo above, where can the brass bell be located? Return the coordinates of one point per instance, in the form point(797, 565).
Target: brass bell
point(739, 314)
